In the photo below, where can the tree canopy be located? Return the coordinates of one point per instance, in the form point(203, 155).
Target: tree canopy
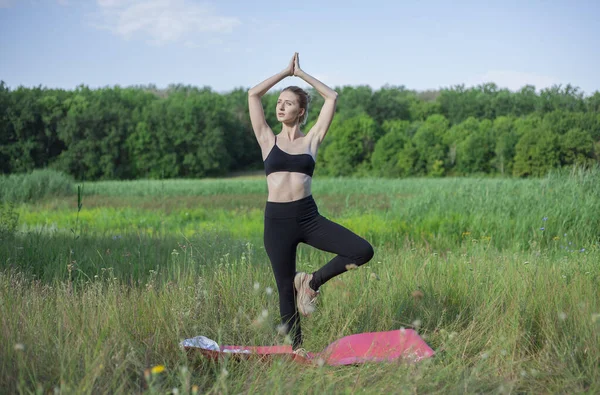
point(186, 131)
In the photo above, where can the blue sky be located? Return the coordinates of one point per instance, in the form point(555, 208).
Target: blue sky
point(226, 44)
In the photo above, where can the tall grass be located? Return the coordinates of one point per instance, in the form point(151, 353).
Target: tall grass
point(572, 176)
point(508, 307)
point(499, 323)
point(561, 211)
point(36, 185)
point(9, 220)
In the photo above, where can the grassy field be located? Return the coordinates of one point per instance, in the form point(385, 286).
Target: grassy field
point(499, 276)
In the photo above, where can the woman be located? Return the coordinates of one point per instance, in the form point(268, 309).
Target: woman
point(291, 215)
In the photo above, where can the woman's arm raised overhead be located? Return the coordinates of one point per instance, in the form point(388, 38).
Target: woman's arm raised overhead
point(262, 131)
point(328, 110)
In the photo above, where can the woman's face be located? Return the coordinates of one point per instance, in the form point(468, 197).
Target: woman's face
point(288, 108)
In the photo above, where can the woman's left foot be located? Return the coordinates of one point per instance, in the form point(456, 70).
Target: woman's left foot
point(306, 296)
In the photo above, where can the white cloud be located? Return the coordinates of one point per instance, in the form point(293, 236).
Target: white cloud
point(513, 80)
point(162, 21)
point(111, 3)
point(192, 44)
point(10, 3)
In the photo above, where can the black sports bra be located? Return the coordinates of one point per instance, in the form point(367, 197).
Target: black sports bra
point(279, 160)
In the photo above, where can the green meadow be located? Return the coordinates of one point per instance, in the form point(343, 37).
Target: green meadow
point(499, 276)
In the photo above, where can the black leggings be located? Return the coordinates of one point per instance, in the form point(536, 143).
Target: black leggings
point(286, 225)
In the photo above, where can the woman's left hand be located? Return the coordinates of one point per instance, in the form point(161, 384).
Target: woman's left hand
point(297, 69)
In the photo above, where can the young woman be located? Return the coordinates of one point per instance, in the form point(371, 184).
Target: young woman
point(291, 215)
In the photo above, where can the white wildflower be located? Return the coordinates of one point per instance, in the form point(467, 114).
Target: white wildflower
point(562, 316)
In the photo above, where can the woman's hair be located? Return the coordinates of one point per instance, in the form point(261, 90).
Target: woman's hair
point(304, 100)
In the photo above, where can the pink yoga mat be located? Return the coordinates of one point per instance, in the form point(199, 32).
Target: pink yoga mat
point(404, 344)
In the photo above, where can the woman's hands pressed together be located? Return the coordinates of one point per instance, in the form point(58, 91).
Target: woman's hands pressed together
point(290, 68)
point(297, 69)
point(293, 68)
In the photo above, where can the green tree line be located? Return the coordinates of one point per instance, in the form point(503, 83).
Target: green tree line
point(186, 131)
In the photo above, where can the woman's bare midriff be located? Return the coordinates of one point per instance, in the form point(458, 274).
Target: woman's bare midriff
point(287, 186)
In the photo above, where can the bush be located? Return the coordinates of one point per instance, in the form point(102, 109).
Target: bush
point(8, 220)
point(32, 186)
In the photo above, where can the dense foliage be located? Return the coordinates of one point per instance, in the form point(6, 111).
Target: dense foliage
point(184, 131)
